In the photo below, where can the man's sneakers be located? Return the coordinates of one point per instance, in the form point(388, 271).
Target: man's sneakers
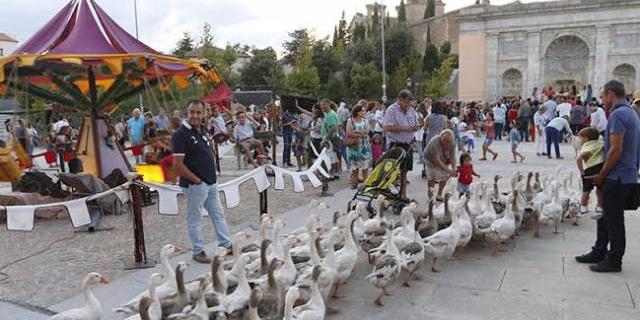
point(597, 214)
point(201, 257)
point(606, 265)
point(591, 257)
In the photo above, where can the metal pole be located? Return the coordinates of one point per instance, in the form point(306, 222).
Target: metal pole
point(384, 67)
point(135, 10)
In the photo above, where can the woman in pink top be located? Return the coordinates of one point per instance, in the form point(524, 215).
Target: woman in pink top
point(491, 134)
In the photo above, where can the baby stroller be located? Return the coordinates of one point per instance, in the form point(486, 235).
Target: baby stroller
point(382, 181)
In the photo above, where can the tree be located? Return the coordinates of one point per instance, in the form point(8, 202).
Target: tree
point(206, 43)
point(375, 21)
point(292, 46)
point(261, 70)
point(336, 89)
point(335, 36)
point(365, 81)
point(398, 79)
point(437, 87)
point(325, 59)
point(359, 32)
point(343, 29)
point(431, 60)
point(445, 48)
point(184, 46)
point(304, 77)
point(360, 52)
point(430, 11)
point(398, 44)
point(402, 12)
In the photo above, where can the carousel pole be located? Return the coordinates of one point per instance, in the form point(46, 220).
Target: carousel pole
point(139, 252)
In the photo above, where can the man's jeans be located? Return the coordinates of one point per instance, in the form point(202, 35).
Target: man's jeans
point(611, 226)
point(524, 128)
point(498, 127)
point(287, 137)
point(552, 137)
point(205, 196)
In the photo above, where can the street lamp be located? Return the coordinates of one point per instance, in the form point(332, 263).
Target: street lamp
point(384, 68)
point(135, 11)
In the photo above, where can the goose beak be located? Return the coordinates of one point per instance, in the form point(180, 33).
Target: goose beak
point(104, 280)
point(177, 249)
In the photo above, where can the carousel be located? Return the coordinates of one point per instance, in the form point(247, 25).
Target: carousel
point(83, 60)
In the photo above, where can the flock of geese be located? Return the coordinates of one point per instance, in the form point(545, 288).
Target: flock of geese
point(294, 276)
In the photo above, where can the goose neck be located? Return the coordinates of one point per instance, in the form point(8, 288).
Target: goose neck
point(89, 298)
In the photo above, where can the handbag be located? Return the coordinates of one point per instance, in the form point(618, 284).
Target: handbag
point(349, 141)
point(633, 199)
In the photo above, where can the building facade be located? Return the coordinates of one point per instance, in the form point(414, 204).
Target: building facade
point(509, 50)
point(8, 44)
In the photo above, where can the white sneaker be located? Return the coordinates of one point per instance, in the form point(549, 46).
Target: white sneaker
point(596, 215)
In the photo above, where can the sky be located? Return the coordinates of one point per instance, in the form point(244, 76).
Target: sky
point(161, 23)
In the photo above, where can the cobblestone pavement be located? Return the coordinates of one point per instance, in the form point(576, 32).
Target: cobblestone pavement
point(44, 267)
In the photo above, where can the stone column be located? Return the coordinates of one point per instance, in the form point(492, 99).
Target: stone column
point(601, 74)
point(492, 67)
point(533, 63)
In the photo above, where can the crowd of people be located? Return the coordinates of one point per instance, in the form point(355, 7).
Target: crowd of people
point(357, 136)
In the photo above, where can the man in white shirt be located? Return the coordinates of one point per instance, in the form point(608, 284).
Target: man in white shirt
point(564, 108)
point(598, 118)
point(499, 118)
point(551, 106)
point(63, 122)
point(553, 133)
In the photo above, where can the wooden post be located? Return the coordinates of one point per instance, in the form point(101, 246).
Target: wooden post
point(140, 253)
point(263, 203)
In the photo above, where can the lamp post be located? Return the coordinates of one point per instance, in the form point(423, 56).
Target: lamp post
point(384, 67)
point(135, 11)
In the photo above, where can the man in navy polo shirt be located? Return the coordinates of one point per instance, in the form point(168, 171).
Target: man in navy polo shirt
point(195, 163)
point(618, 174)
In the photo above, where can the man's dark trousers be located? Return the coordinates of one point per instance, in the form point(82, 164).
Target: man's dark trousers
point(611, 226)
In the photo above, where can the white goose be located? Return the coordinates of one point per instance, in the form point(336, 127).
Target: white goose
point(155, 308)
point(92, 310)
point(347, 256)
point(442, 244)
point(551, 213)
point(466, 227)
point(484, 220)
point(238, 299)
point(168, 288)
point(411, 255)
point(504, 228)
point(315, 308)
point(386, 269)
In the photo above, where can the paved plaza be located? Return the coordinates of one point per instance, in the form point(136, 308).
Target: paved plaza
point(534, 279)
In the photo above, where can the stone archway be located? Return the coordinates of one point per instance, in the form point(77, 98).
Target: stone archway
point(626, 74)
point(512, 83)
point(566, 62)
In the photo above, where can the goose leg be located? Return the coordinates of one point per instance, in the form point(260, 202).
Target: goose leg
point(378, 300)
point(555, 230)
point(386, 293)
point(433, 265)
point(335, 294)
point(406, 279)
